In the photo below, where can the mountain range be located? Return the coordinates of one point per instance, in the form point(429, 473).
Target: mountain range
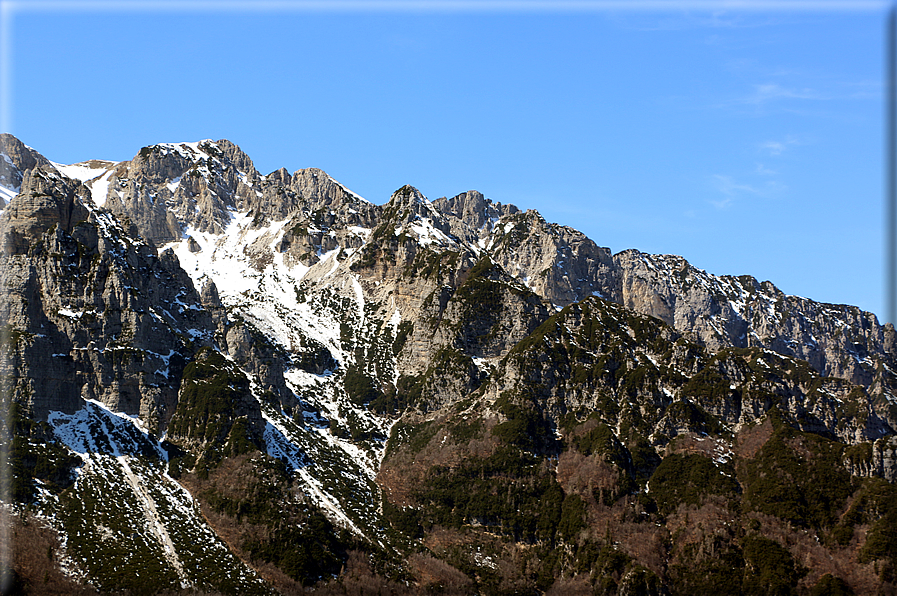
point(218, 381)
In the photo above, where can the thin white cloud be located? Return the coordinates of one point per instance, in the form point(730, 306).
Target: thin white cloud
point(764, 171)
point(783, 87)
point(773, 91)
point(722, 13)
point(731, 190)
point(776, 148)
point(692, 20)
point(772, 96)
point(864, 89)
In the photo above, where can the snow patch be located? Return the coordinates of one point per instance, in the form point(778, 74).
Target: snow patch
point(428, 234)
point(6, 193)
point(173, 185)
point(84, 171)
point(99, 188)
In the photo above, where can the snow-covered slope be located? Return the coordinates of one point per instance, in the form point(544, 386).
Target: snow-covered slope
point(123, 494)
point(294, 305)
point(95, 174)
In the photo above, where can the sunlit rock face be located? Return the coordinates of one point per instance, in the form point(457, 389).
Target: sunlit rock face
point(447, 394)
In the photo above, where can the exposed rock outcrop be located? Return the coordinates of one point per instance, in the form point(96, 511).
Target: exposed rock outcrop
point(337, 379)
point(91, 312)
point(16, 159)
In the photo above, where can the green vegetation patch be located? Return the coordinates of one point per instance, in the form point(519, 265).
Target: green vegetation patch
point(525, 428)
point(465, 431)
point(694, 417)
point(711, 576)
point(573, 518)
point(875, 504)
point(829, 585)
point(307, 552)
point(450, 368)
point(605, 564)
point(277, 528)
point(770, 567)
point(481, 298)
point(602, 441)
point(36, 456)
point(107, 535)
point(708, 384)
point(429, 264)
point(410, 437)
point(360, 387)
point(404, 329)
point(797, 477)
point(407, 393)
point(506, 492)
point(758, 566)
point(214, 395)
point(688, 478)
point(405, 520)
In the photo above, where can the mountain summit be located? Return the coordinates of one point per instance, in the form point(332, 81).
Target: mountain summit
point(227, 382)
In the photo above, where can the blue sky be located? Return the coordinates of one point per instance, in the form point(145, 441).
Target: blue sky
point(747, 141)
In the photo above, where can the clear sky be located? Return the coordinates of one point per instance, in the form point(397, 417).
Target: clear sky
point(747, 141)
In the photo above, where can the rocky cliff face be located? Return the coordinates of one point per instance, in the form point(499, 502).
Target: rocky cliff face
point(16, 158)
point(837, 340)
point(168, 190)
point(91, 312)
point(451, 393)
point(557, 262)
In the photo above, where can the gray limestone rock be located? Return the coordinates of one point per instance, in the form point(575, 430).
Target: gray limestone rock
point(167, 188)
point(47, 200)
point(16, 160)
point(412, 255)
point(91, 312)
point(557, 262)
point(471, 216)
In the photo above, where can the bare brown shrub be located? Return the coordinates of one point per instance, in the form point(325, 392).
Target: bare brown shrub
point(36, 560)
point(575, 586)
point(434, 575)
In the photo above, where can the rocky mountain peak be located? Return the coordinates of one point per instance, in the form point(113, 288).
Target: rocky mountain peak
point(475, 210)
point(46, 200)
point(407, 195)
point(229, 152)
point(169, 187)
point(317, 190)
point(16, 159)
point(408, 204)
point(279, 176)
